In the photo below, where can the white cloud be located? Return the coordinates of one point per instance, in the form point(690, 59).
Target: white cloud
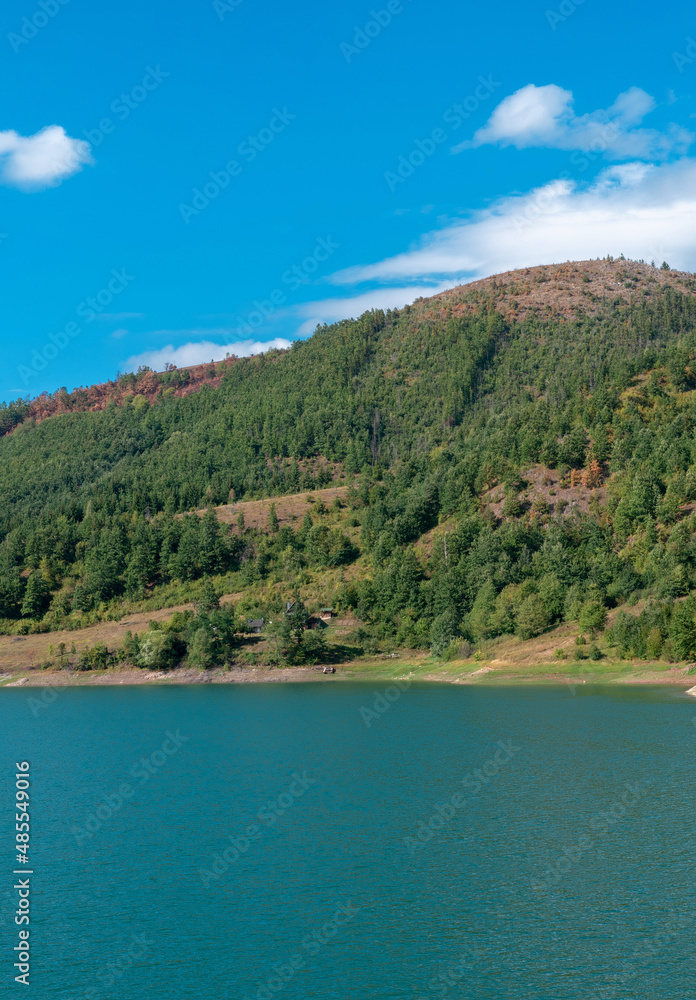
point(332, 310)
point(641, 210)
point(200, 352)
point(41, 160)
point(544, 116)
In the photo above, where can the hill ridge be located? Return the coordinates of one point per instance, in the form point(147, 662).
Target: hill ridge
point(568, 290)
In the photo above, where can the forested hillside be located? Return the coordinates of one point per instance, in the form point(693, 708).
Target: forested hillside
point(517, 452)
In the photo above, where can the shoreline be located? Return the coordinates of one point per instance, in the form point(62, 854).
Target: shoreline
point(610, 675)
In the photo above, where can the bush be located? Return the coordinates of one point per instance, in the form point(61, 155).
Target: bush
point(160, 650)
point(98, 657)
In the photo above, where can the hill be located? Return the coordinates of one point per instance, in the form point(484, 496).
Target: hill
point(512, 454)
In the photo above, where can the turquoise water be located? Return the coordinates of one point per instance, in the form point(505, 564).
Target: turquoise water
point(437, 842)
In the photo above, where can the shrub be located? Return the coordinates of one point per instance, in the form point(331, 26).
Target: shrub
point(98, 657)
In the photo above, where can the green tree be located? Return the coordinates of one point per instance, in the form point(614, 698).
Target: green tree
point(200, 651)
point(512, 506)
point(314, 648)
point(12, 588)
point(159, 650)
point(443, 633)
point(653, 646)
point(531, 618)
point(37, 597)
point(480, 616)
point(593, 617)
point(209, 599)
point(552, 593)
point(273, 519)
point(141, 561)
point(298, 617)
point(682, 630)
point(212, 547)
point(289, 633)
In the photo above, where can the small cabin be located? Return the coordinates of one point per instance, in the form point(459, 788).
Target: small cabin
point(315, 622)
point(326, 614)
point(256, 625)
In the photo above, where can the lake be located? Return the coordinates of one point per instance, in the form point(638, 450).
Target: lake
point(350, 840)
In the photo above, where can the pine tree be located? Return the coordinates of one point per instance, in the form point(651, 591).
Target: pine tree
point(298, 616)
point(36, 597)
point(209, 600)
point(531, 618)
point(212, 549)
point(482, 612)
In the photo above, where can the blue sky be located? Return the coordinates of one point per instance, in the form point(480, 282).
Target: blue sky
point(182, 180)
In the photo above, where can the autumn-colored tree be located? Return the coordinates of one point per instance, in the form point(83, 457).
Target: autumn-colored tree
point(592, 475)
